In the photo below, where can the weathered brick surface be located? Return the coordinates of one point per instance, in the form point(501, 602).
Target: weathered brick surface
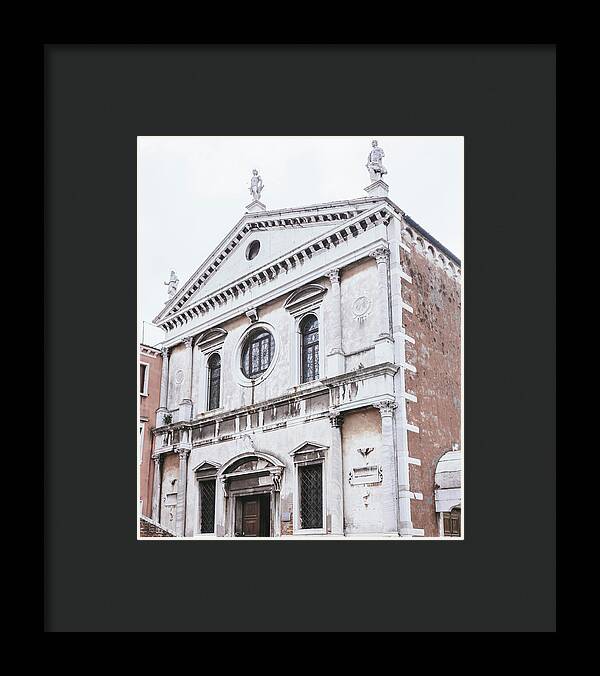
point(150, 529)
point(435, 326)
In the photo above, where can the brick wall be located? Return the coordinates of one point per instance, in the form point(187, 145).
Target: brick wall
point(150, 529)
point(435, 326)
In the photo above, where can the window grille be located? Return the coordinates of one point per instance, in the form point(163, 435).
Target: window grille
point(214, 381)
point(257, 353)
point(309, 330)
point(311, 496)
point(207, 506)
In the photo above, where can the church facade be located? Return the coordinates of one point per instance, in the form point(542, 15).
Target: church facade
point(310, 379)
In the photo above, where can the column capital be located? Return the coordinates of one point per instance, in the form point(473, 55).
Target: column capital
point(157, 457)
point(165, 351)
point(380, 254)
point(334, 275)
point(182, 452)
point(386, 407)
point(336, 419)
point(188, 340)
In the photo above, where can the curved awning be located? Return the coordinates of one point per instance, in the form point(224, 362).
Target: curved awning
point(448, 481)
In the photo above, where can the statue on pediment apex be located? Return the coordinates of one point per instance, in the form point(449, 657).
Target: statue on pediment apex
point(256, 185)
point(374, 165)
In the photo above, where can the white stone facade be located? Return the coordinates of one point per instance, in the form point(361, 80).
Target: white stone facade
point(271, 433)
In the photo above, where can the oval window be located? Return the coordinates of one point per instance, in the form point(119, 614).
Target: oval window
point(252, 250)
point(257, 353)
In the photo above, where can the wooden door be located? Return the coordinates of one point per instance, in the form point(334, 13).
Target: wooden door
point(251, 517)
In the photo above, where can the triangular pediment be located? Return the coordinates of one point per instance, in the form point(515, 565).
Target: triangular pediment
point(277, 233)
point(207, 466)
point(308, 447)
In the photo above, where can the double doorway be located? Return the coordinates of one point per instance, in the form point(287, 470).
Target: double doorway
point(253, 515)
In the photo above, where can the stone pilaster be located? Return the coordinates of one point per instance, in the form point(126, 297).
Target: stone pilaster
point(276, 501)
point(390, 510)
point(404, 492)
point(156, 489)
point(335, 478)
point(384, 345)
point(220, 506)
point(335, 354)
point(186, 405)
point(181, 491)
point(397, 284)
point(164, 384)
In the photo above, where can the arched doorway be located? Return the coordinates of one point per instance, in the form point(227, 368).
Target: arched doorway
point(251, 495)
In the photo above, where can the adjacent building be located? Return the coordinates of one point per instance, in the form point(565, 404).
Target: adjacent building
point(150, 369)
point(310, 379)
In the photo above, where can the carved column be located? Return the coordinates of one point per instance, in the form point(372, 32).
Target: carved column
point(181, 491)
point(384, 351)
point(156, 489)
point(335, 478)
point(164, 382)
point(335, 355)
point(390, 513)
point(185, 407)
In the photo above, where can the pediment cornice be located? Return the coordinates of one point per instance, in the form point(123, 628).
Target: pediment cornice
point(297, 217)
point(343, 228)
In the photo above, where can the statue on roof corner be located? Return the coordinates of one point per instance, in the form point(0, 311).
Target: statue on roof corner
point(172, 284)
point(256, 185)
point(376, 169)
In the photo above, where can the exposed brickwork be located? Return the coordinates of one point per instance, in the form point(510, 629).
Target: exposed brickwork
point(435, 326)
point(150, 529)
point(287, 528)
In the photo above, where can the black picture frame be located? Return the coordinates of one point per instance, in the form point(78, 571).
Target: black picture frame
point(97, 100)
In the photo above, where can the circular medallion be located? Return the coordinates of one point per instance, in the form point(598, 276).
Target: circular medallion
point(179, 377)
point(361, 307)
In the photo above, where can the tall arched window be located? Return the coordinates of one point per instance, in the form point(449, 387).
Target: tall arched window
point(214, 381)
point(309, 332)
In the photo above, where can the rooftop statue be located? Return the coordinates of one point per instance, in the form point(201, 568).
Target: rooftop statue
point(376, 169)
point(256, 185)
point(172, 284)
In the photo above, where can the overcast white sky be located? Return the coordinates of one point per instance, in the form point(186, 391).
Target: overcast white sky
point(193, 189)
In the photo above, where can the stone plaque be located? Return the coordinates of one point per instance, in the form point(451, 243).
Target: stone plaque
point(170, 499)
point(369, 474)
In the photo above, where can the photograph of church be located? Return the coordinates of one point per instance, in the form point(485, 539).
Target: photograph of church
point(308, 376)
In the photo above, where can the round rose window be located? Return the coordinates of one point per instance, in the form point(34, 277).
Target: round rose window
point(257, 353)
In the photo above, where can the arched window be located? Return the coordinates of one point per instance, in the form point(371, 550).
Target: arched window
point(309, 332)
point(257, 354)
point(214, 381)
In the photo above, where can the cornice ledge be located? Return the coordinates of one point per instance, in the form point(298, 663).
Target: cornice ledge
point(385, 368)
point(209, 417)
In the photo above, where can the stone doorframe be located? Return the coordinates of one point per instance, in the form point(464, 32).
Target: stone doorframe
point(234, 484)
